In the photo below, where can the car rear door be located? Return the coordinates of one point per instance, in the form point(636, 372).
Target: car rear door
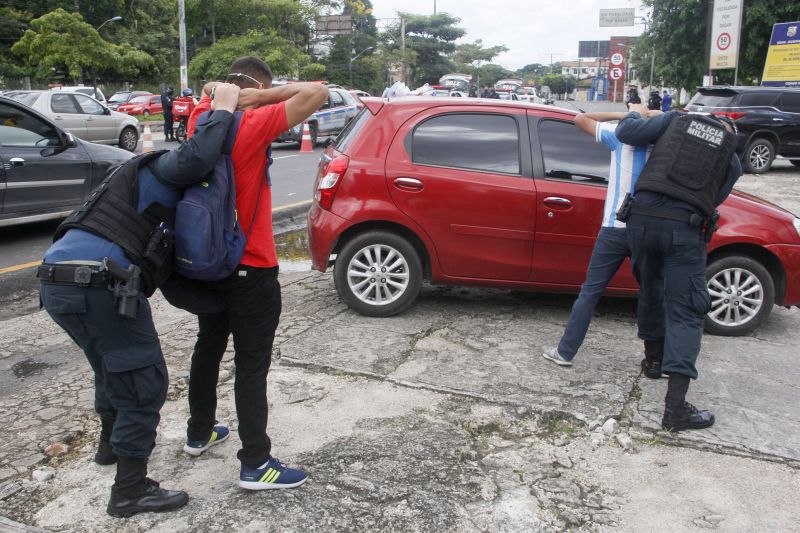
point(100, 127)
point(156, 107)
point(790, 115)
point(37, 177)
point(463, 174)
point(67, 114)
point(571, 175)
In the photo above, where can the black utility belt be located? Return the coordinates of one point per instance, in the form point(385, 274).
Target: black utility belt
point(69, 274)
point(692, 219)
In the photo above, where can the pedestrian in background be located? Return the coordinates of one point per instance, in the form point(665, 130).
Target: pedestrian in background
point(166, 103)
point(120, 239)
point(654, 103)
point(666, 102)
point(692, 169)
point(633, 97)
point(611, 248)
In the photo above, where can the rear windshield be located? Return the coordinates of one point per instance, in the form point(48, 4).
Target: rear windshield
point(713, 99)
point(24, 98)
point(119, 97)
point(350, 131)
point(140, 100)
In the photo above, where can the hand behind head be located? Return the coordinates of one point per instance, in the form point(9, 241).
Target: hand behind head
point(225, 97)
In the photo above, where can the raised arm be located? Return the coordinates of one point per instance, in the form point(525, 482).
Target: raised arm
point(195, 158)
point(302, 99)
point(636, 131)
point(587, 122)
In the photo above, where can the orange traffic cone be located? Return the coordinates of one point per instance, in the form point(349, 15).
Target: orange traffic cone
point(147, 139)
point(305, 144)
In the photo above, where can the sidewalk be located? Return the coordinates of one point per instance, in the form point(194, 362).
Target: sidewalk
point(445, 418)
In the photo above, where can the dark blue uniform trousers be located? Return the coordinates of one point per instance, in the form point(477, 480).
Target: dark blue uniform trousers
point(670, 257)
point(130, 376)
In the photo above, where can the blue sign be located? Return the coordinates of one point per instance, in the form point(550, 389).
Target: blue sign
point(782, 67)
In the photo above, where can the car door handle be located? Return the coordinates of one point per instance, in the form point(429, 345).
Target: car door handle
point(89, 119)
point(557, 202)
point(408, 184)
point(777, 119)
point(58, 117)
point(17, 161)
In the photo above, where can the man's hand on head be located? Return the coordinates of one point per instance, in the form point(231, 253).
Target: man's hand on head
point(225, 97)
point(209, 86)
point(248, 99)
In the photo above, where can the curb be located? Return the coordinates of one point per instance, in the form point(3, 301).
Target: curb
point(289, 218)
point(155, 126)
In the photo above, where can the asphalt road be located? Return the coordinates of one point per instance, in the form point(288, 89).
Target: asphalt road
point(292, 176)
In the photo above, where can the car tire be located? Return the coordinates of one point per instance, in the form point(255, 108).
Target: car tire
point(129, 139)
point(744, 277)
point(146, 113)
point(758, 156)
point(354, 278)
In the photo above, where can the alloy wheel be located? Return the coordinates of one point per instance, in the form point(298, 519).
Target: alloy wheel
point(737, 296)
point(378, 274)
point(760, 156)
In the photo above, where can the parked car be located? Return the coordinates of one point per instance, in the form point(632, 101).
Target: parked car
point(94, 92)
point(331, 118)
point(768, 119)
point(83, 116)
point(145, 105)
point(507, 194)
point(46, 172)
point(123, 97)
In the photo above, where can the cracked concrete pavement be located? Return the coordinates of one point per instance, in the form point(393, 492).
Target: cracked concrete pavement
point(445, 418)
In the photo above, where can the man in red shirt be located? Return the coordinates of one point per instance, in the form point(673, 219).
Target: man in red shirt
point(251, 295)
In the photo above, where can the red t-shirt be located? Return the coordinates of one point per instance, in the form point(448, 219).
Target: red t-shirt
point(257, 129)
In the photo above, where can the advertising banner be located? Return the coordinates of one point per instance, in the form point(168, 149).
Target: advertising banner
point(782, 67)
point(725, 26)
point(617, 17)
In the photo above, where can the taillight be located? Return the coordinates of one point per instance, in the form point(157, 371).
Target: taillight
point(329, 182)
point(734, 115)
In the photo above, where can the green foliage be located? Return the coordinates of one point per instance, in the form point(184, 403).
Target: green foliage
point(472, 53)
point(489, 74)
point(13, 24)
point(534, 71)
point(558, 84)
point(213, 62)
point(431, 38)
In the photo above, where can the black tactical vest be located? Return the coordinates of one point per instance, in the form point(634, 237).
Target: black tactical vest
point(690, 162)
point(110, 212)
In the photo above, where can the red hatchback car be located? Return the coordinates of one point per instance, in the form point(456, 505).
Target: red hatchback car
point(507, 194)
point(143, 105)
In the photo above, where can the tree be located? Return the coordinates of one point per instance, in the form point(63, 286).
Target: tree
point(366, 69)
point(677, 34)
point(472, 53)
point(284, 59)
point(534, 71)
point(13, 24)
point(431, 38)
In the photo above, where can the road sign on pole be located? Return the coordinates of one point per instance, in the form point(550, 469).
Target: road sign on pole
point(617, 59)
point(617, 17)
point(725, 29)
point(615, 73)
point(782, 67)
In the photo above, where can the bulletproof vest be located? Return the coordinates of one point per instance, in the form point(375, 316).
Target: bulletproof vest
point(690, 162)
point(110, 212)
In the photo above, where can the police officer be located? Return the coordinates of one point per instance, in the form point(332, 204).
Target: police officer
point(691, 170)
point(108, 256)
point(166, 104)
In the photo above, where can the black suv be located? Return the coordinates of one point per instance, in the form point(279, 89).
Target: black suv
point(768, 119)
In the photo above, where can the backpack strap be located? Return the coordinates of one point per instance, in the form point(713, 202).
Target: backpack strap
point(230, 138)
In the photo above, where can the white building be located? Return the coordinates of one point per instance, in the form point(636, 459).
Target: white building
point(585, 68)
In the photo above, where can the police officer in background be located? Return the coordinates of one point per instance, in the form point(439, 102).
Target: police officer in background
point(166, 103)
point(692, 169)
point(108, 256)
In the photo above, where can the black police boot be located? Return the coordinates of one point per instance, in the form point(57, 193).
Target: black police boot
point(105, 455)
point(653, 354)
point(680, 414)
point(133, 492)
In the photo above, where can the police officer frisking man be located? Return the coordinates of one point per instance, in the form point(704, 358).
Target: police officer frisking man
point(108, 256)
point(692, 169)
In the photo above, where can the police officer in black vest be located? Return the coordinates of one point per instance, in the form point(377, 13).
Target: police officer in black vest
point(108, 256)
point(692, 169)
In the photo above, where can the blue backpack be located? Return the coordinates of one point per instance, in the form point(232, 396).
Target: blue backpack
point(209, 242)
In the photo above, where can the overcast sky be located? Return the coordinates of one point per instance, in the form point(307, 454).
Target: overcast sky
point(531, 30)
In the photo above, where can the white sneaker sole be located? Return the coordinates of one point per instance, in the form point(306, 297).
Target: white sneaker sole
point(257, 485)
point(196, 452)
point(556, 361)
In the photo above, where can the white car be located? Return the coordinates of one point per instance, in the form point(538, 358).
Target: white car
point(94, 92)
point(82, 116)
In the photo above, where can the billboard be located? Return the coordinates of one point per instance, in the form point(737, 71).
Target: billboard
point(725, 25)
point(593, 48)
point(782, 67)
point(617, 17)
point(334, 25)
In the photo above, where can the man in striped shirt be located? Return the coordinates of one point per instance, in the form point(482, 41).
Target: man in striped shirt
point(611, 247)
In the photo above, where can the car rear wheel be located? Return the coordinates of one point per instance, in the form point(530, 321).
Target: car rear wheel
point(742, 295)
point(758, 156)
point(129, 139)
point(378, 274)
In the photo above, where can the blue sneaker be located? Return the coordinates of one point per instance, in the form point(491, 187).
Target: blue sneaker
point(197, 447)
point(271, 475)
point(551, 354)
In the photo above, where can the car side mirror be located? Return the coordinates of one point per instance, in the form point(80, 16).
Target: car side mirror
point(106, 111)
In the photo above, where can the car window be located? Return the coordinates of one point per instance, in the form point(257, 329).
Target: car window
point(790, 102)
point(724, 99)
point(63, 103)
point(474, 141)
point(571, 154)
point(336, 99)
point(119, 97)
point(348, 99)
point(140, 100)
point(18, 128)
point(350, 131)
point(24, 98)
point(89, 106)
point(155, 99)
point(758, 99)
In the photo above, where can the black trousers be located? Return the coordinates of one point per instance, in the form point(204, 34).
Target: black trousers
point(252, 299)
point(130, 377)
point(168, 125)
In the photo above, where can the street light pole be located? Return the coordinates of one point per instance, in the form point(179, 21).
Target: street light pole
point(94, 76)
point(350, 66)
point(112, 19)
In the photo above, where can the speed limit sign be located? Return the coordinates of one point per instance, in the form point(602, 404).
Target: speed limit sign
point(617, 58)
point(615, 73)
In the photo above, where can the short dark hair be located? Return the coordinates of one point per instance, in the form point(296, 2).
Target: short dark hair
point(252, 67)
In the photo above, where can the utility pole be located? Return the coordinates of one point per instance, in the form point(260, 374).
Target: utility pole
point(402, 49)
point(182, 37)
point(434, 7)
